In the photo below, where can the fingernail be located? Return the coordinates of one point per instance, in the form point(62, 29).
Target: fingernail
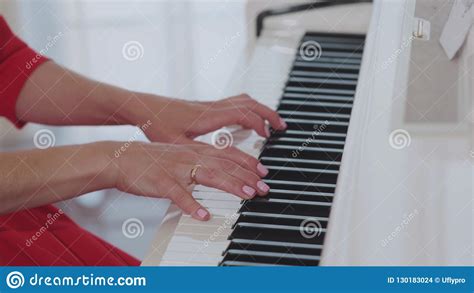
point(283, 123)
point(267, 131)
point(262, 186)
point(202, 213)
point(248, 190)
point(262, 170)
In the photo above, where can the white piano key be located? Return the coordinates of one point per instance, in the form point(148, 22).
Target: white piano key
point(215, 220)
point(201, 237)
point(220, 204)
point(207, 247)
point(188, 263)
point(223, 196)
point(202, 229)
point(192, 257)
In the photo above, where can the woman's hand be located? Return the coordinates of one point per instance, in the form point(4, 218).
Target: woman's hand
point(164, 170)
point(179, 121)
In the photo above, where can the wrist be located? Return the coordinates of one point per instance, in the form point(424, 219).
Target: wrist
point(107, 169)
point(138, 108)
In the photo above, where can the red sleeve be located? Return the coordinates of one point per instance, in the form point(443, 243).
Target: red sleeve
point(17, 63)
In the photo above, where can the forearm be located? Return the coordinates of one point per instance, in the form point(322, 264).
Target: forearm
point(38, 177)
point(57, 96)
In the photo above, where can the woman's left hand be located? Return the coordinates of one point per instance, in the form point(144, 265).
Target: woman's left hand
point(178, 121)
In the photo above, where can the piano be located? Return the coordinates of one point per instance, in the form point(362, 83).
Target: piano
point(376, 167)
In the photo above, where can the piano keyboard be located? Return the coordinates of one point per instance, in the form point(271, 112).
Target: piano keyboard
point(288, 226)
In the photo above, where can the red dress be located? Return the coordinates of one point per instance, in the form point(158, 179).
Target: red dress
point(42, 236)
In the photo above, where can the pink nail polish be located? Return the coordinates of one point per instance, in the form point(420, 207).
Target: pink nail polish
point(283, 123)
point(262, 186)
point(202, 213)
point(267, 131)
point(262, 169)
point(248, 190)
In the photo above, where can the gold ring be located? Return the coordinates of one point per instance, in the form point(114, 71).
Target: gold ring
point(193, 173)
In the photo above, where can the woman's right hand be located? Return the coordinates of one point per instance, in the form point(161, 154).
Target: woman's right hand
point(164, 170)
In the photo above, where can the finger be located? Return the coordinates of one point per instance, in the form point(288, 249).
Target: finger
point(233, 115)
point(249, 178)
point(233, 154)
point(265, 112)
point(186, 202)
point(221, 180)
point(248, 119)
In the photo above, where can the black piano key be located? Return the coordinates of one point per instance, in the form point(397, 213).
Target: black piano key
point(310, 141)
point(302, 175)
point(315, 107)
point(277, 219)
point(277, 193)
point(318, 98)
point(311, 135)
point(291, 245)
point(301, 208)
point(271, 257)
point(270, 246)
point(322, 83)
point(296, 88)
point(302, 152)
point(295, 162)
point(301, 186)
point(326, 67)
point(266, 232)
point(332, 60)
point(333, 75)
point(316, 125)
point(341, 38)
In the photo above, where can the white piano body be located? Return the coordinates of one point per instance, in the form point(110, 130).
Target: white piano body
point(404, 194)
